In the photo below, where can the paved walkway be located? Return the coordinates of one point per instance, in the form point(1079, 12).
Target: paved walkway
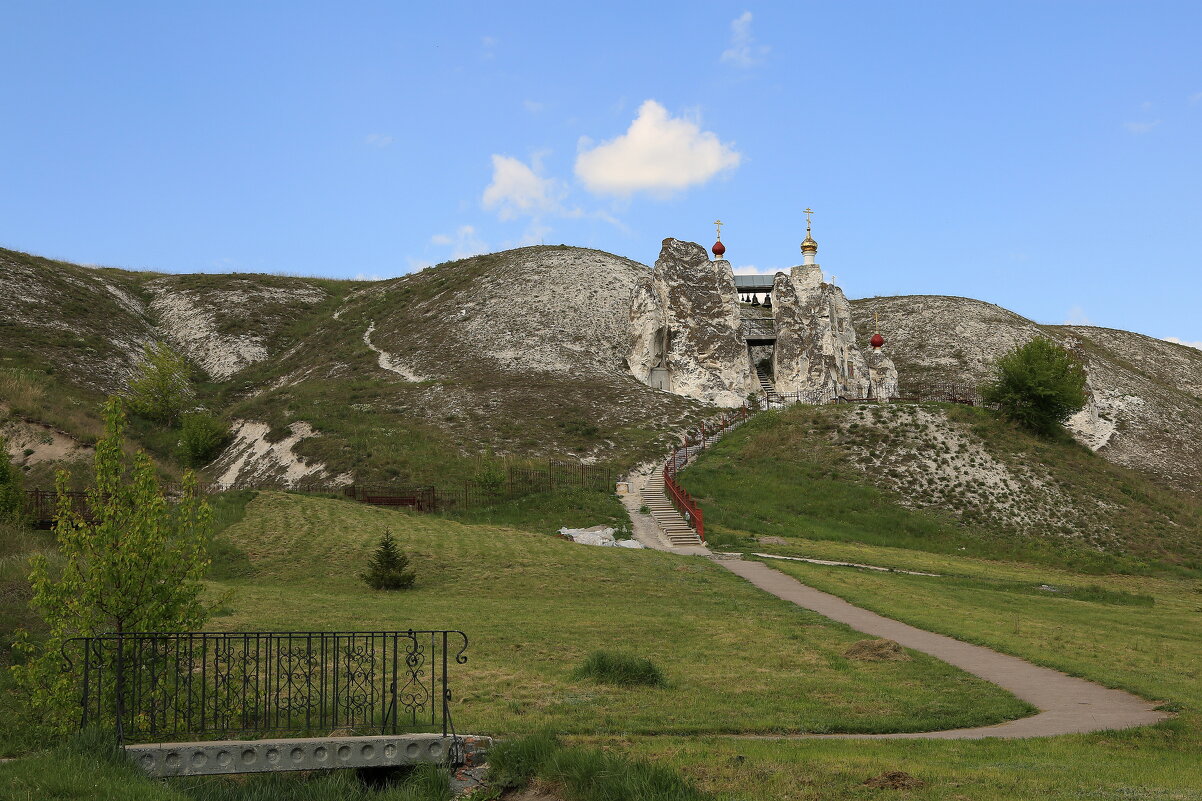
point(1067, 705)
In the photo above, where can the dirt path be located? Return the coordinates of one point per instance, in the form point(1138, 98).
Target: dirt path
point(1067, 705)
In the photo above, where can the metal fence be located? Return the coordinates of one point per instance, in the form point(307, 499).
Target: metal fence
point(41, 506)
point(151, 687)
point(905, 393)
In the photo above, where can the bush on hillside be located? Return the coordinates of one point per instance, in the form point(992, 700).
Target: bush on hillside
point(202, 436)
point(622, 669)
point(386, 570)
point(1038, 385)
point(12, 499)
point(160, 388)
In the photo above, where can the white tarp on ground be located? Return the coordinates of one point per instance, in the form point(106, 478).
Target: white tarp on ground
point(598, 535)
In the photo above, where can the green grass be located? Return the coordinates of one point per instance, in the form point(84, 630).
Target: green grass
point(791, 474)
point(620, 669)
point(535, 606)
point(547, 512)
point(1108, 634)
point(584, 774)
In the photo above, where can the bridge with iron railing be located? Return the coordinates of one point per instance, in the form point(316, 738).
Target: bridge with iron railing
point(200, 703)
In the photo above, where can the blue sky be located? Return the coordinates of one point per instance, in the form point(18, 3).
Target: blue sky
point(1044, 156)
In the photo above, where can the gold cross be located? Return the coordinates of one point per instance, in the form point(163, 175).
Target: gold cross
point(876, 324)
point(808, 213)
point(719, 223)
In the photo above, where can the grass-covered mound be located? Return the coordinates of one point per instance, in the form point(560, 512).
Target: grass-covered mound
point(535, 606)
point(942, 479)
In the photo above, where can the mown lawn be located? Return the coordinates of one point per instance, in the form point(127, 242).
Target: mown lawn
point(1155, 651)
point(535, 606)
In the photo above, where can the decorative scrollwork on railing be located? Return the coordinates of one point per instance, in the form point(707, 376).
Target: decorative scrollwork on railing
point(161, 687)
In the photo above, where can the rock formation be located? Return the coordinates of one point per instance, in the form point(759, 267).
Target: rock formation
point(686, 332)
point(816, 350)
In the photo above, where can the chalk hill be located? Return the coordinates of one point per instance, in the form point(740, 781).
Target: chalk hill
point(518, 352)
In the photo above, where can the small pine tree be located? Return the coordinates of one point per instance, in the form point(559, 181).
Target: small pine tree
point(12, 499)
point(160, 388)
point(386, 570)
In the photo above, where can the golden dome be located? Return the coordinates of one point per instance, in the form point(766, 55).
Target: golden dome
point(808, 245)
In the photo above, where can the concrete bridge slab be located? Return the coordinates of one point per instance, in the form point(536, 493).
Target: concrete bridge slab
point(221, 757)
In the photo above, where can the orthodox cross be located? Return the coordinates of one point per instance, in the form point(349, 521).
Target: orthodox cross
point(876, 324)
point(719, 224)
point(808, 213)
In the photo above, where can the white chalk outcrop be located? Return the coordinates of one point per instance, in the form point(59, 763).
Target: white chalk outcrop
point(685, 328)
point(816, 346)
point(224, 329)
point(252, 460)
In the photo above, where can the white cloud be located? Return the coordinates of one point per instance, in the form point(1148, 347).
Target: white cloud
point(1141, 127)
point(747, 269)
point(657, 154)
point(465, 242)
point(533, 106)
point(1077, 316)
point(743, 51)
point(1197, 345)
point(518, 190)
point(378, 140)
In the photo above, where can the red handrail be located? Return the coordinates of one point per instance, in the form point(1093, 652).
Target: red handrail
point(681, 500)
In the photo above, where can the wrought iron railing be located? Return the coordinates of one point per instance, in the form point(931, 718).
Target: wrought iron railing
point(221, 685)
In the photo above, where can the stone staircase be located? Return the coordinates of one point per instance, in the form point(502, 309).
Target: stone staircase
point(655, 497)
point(766, 385)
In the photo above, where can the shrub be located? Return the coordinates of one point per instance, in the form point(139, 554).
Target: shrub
point(1038, 385)
point(160, 388)
point(622, 669)
point(386, 570)
point(12, 499)
point(202, 436)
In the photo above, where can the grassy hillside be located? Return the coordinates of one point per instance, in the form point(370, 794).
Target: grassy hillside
point(402, 381)
point(944, 479)
point(535, 606)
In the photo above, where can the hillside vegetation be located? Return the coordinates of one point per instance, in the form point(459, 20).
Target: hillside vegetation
point(1145, 406)
point(402, 381)
point(940, 478)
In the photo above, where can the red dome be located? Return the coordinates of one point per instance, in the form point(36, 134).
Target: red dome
point(876, 341)
point(718, 248)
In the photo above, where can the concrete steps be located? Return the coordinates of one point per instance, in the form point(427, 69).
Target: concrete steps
point(655, 497)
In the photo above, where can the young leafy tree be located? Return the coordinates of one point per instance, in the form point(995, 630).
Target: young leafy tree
point(201, 436)
point(135, 564)
point(386, 570)
point(1039, 385)
point(12, 499)
point(160, 388)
